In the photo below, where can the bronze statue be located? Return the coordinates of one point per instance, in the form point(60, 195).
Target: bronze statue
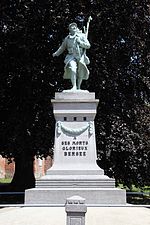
point(76, 60)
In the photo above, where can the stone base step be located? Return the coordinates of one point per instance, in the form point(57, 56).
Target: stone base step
point(69, 171)
point(58, 196)
point(69, 181)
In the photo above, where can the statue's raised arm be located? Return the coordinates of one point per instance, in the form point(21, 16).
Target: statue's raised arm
point(76, 60)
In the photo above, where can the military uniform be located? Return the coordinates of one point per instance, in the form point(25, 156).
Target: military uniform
point(76, 59)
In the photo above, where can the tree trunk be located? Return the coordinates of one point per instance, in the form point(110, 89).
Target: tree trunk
point(24, 173)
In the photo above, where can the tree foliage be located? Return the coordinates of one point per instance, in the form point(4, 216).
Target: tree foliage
point(31, 30)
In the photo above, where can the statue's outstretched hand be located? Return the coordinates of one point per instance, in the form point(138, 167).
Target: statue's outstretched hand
point(54, 54)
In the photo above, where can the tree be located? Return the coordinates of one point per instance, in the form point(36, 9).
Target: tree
point(123, 90)
point(26, 116)
point(31, 31)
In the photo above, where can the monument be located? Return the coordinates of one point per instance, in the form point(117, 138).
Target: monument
point(74, 171)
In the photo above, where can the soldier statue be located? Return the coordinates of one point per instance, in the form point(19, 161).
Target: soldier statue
point(76, 60)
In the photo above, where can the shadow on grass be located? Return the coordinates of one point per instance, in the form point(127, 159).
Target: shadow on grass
point(142, 200)
point(10, 195)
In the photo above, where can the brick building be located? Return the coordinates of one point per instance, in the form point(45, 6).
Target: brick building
point(40, 167)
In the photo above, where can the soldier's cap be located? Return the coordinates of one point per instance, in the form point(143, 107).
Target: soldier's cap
point(72, 24)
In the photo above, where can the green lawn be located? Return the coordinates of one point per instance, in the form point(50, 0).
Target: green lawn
point(135, 189)
point(139, 196)
point(5, 180)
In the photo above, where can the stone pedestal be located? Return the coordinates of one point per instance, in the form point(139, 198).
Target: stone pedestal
point(75, 208)
point(75, 171)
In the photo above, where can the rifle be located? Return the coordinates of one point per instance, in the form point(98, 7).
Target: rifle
point(86, 30)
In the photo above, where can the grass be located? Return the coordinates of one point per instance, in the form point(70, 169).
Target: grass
point(147, 189)
point(7, 198)
point(139, 196)
point(135, 189)
point(5, 180)
point(12, 198)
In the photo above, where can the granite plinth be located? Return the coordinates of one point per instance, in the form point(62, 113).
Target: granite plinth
point(75, 171)
point(58, 196)
point(75, 95)
point(81, 181)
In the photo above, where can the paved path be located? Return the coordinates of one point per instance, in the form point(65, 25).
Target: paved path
point(57, 216)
